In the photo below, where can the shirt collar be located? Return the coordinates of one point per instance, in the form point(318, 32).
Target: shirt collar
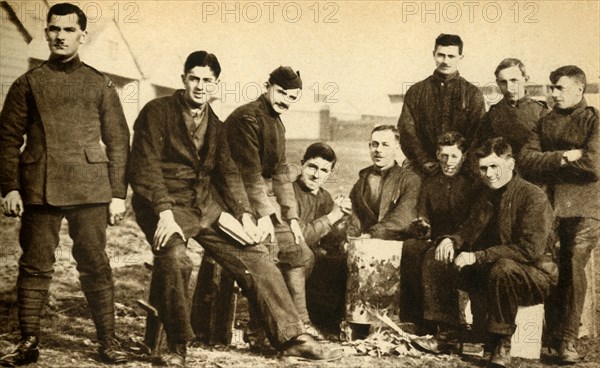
point(305, 188)
point(193, 111)
point(67, 67)
point(383, 173)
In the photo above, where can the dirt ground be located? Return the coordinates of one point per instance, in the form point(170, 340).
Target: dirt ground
point(68, 336)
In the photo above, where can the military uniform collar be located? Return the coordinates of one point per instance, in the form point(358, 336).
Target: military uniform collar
point(523, 100)
point(67, 67)
point(265, 101)
point(445, 78)
point(577, 107)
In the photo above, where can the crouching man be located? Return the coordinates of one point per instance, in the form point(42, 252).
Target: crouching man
point(322, 221)
point(501, 250)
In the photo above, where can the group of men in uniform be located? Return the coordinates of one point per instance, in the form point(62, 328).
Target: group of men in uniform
point(186, 167)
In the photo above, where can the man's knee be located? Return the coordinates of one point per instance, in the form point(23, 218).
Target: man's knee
point(173, 255)
point(503, 269)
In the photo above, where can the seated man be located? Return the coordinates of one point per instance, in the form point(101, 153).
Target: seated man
point(385, 195)
point(256, 142)
point(177, 155)
point(444, 204)
point(384, 201)
point(321, 218)
point(501, 249)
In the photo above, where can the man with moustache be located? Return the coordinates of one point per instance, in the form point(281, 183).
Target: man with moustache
point(67, 110)
point(179, 169)
point(441, 103)
point(564, 153)
point(502, 250)
point(256, 140)
point(384, 201)
point(385, 196)
point(514, 116)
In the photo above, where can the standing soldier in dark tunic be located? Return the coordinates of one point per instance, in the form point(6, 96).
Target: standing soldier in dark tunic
point(514, 116)
point(441, 103)
point(256, 139)
point(564, 153)
point(66, 109)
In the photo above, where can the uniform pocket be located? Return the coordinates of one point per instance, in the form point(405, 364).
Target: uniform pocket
point(95, 155)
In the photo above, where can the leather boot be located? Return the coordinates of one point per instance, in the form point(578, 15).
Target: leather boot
point(102, 309)
point(306, 347)
point(501, 355)
point(295, 280)
point(110, 351)
point(175, 357)
point(25, 352)
point(568, 354)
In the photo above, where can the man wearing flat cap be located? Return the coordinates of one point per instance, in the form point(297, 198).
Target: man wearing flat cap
point(256, 139)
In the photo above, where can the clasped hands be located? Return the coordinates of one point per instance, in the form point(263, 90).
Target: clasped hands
point(264, 228)
point(445, 253)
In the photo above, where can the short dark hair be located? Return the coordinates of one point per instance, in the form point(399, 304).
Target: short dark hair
point(66, 9)
point(449, 40)
point(322, 150)
point(393, 128)
point(453, 138)
point(509, 63)
point(497, 145)
point(202, 58)
point(571, 71)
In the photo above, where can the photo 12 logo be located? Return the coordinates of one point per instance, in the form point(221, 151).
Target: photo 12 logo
point(469, 11)
point(269, 11)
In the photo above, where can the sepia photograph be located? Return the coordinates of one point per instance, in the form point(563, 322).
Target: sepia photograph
point(303, 183)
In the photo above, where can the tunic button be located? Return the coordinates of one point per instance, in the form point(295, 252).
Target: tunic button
point(568, 204)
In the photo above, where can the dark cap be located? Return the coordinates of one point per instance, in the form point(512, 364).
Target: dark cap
point(285, 77)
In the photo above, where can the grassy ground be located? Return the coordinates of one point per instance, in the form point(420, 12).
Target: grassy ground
point(68, 337)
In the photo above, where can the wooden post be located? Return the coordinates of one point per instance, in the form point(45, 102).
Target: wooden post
point(213, 304)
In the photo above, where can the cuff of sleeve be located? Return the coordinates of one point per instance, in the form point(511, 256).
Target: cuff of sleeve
point(325, 221)
point(162, 207)
point(240, 213)
point(121, 193)
point(376, 233)
point(9, 187)
point(480, 257)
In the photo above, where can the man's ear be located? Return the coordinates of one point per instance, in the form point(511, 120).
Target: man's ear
point(511, 165)
point(83, 38)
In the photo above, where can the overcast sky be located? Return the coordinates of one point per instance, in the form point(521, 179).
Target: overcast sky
point(364, 50)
